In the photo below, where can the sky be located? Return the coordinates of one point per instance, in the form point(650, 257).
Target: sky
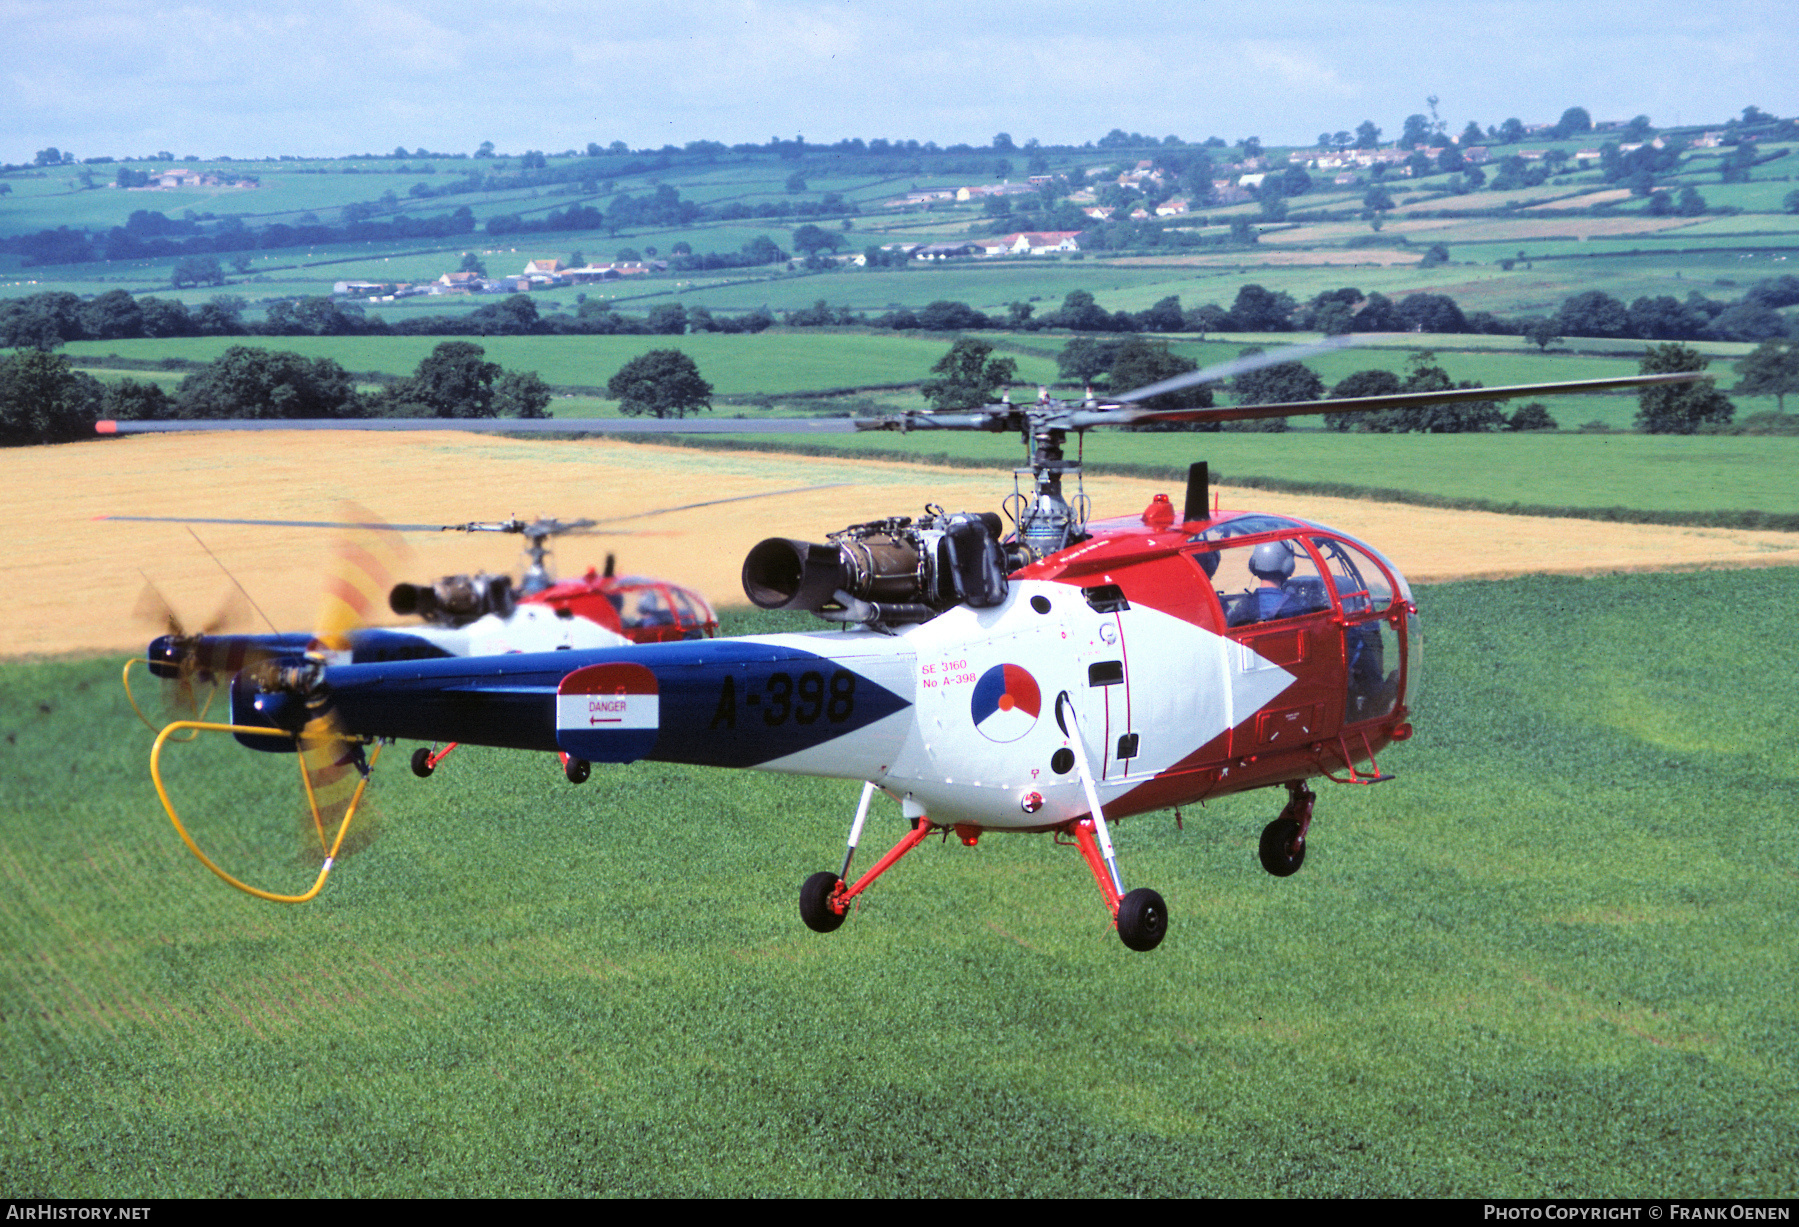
point(253, 78)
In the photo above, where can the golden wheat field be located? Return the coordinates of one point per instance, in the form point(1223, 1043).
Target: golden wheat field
point(73, 580)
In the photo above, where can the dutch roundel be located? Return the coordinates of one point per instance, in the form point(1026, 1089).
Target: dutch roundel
point(1006, 703)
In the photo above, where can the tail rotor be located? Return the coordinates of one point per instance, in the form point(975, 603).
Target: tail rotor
point(335, 763)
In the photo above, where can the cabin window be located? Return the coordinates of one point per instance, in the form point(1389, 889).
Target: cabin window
point(1361, 585)
point(1268, 582)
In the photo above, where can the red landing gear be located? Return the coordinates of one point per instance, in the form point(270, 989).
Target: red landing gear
point(1141, 916)
point(424, 762)
point(825, 900)
point(1283, 847)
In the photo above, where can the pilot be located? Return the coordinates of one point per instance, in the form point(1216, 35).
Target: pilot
point(652, 610)
point(1272, 564)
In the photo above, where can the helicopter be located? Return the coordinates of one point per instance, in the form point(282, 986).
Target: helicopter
point(476, 614)
point(1050, 678)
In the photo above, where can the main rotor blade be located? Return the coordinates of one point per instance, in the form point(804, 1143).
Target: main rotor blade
point(1364, 404)
point(403, 528)
point(573, 528)
point(624, 426)
point(1220, 371)
point(501, 526)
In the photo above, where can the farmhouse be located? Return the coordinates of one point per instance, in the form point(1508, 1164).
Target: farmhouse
point(1039, 242)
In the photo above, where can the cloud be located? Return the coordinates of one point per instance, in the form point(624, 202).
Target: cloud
point(336, 76)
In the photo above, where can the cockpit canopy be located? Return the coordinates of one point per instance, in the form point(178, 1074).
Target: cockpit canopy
point(1268, 567)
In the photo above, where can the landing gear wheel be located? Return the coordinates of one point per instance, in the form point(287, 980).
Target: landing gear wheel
point(1283, 848)
point(577, 770)
point(421, 763)
point(815, 902)
point(1142, 919)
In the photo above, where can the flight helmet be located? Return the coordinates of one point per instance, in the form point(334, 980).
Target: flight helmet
point(1272, 560)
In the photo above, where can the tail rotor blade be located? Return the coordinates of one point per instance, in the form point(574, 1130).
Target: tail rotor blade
point(362, 570)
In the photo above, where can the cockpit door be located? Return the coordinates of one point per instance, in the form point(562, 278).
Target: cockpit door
point(1372, 628)
point(1285, 646)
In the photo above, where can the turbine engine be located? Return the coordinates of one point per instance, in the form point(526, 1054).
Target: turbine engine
point(887, 571)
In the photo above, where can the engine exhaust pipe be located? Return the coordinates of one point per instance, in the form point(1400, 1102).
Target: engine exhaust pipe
point(781, 573)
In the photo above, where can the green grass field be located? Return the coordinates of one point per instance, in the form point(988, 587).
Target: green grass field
point(1659, 473)
point(1552, 958)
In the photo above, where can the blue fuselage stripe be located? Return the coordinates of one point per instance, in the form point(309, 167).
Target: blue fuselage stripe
point(723, 702)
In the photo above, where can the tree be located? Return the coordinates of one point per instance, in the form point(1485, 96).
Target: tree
point(1140, 363)
point(762, 250)
point(969, 377)
point(668, 319)
point(244, 382)
point(1749, 321)
point(1770, 369)
point(1664, 318)
point(814, 239)
point(197, 270)
point(1426, 376)
point(1377, 315)
point(1165, 316)
point(1574, 119)
point(1084, 359)
point(1351, 387)
point(1367, 136)
point(453, 381)
point(1080, 313)
point(1417, 131)
point(1540, 331)
point(222, 315)
point(946, 315)
point(521, 394)
point(1431, 313)
point(1593, 313)
point(114, 314)
point(1276, 384)
point(1273, 385)
point(1534, 416)
point(663, 383)
point(1258, 309)
point(1682, 408)
point(44, 400)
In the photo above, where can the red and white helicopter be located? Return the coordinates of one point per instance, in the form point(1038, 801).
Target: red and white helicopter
point(1051, 678)
point(476, 614)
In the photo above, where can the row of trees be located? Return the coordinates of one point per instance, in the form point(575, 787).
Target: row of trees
point(43, 399)
point(46, 320)
point(1122, 365)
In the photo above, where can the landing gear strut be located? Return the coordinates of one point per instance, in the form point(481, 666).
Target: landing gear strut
point(1283, 846)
